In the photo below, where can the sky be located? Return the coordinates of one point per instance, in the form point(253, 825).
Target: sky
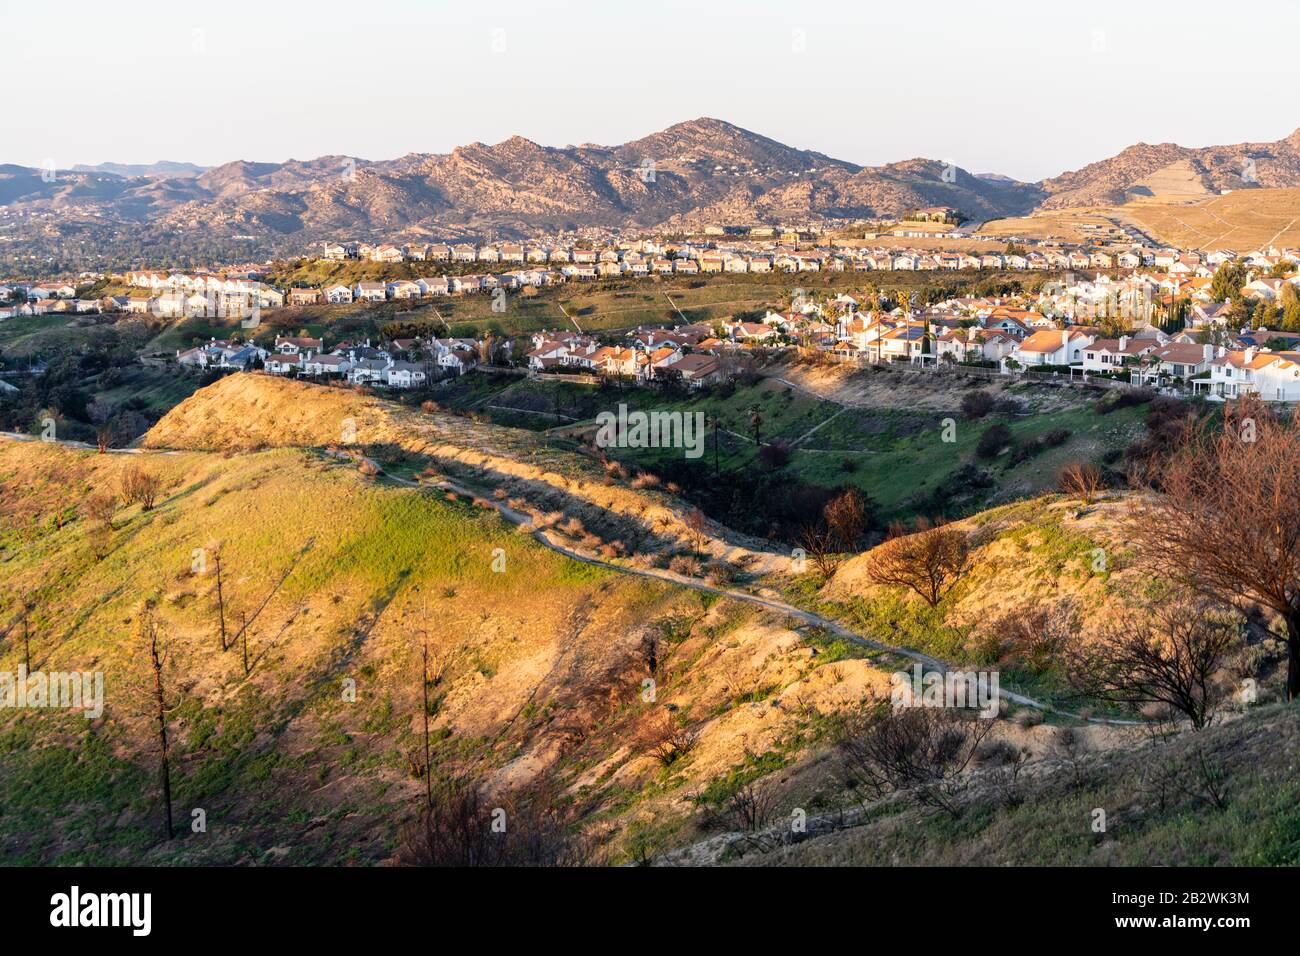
point(1024, 89)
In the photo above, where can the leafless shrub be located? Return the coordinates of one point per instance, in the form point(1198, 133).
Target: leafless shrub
point(976, 404)
point(1081, 480)
point(138, 485)
point(1168, 654)
point(719, 572)
point(929, 561)
point(1004, 761)
point(686, 564)
point(818, 544)
point(1069, 749)
point(1207, 780)
point(573, 527)
point(672, 743)
point(1028, 717)
point(1034, 635)
point(920, 751)
point(463, 827)
point(749, 809)
point(847, 517)
point(697, 529)
point(101, 506)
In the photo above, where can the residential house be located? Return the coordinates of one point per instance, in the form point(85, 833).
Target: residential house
point(304, 296)
point(1109, 355)
point(1052, 347)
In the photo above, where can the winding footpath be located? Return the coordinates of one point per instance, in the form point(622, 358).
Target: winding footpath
point(776, 605)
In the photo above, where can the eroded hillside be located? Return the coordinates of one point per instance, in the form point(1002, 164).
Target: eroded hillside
point(644, 702)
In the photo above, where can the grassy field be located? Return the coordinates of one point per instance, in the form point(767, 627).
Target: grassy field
point(1242, 221)
point(337, 576)
point(1048, 823)
point(23, 334)
point(540, 662)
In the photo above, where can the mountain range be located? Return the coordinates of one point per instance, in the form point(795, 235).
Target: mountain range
point(704, 171)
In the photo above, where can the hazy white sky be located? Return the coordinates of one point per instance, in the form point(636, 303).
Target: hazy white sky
point(1025, 89)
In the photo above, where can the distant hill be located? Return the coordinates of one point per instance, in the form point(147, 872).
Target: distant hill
point(705, 171)
point(163, 169)
point(1167, 170)
point(702, 172)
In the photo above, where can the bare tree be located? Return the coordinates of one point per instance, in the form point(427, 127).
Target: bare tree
point(243, 641)
point(921, 751)
point(1080, 479)
point(847, 517)
point(670, 741)
point(928, 561)
point(428, 752)
point(1170, 654)
point(749, 809)
point(697, 529)
point(1002, 762)
point(1069, 749)
point(101, 506)
point(28, 606)
point(818, 543)
point(221, 604)
point(1225, 515)
point(157, 662)
point(1033, 635)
